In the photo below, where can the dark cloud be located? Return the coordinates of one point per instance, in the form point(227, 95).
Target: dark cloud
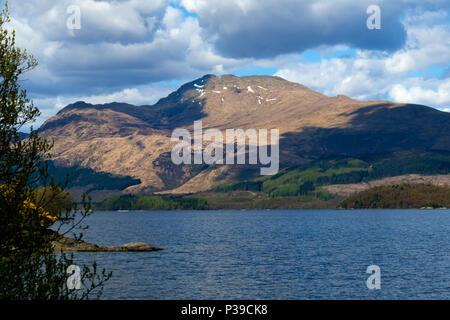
point(115, 48)
point(269, 28)
point(129, 43)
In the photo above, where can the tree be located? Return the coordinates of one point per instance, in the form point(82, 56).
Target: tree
point(29, 267)
point(55, 201)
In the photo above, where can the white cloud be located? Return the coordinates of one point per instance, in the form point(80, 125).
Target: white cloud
point(125, 46)
point(117, 47)
point(141, 96)
point(107, 20)
point(373, 75)
point(148, 95)
point(436, 95)
point(425, 46)
point(359, 77)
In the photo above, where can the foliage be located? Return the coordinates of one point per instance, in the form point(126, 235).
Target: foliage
point(240, 185)
point(53, 200)
point(29, 267)
point(304, 179)
point(133, 202)
point(404, 196)
point(80, 177)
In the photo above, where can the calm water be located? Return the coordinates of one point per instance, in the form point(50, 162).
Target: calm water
point(277, 254)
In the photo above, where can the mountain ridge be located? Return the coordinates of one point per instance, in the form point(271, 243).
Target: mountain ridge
point(125, 139)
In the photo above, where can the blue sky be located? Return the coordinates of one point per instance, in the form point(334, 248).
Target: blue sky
point(138, 51)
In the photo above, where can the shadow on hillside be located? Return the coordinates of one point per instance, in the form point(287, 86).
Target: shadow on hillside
point(372, 130)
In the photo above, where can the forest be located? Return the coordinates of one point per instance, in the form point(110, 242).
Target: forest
point(403, 196)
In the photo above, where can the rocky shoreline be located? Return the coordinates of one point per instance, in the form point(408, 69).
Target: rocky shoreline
point(70, 245)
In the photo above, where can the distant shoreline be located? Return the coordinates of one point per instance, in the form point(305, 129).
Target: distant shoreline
point(290, 209)
point(396, 196)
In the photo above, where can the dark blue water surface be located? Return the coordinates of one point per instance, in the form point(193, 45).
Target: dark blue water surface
point(276, 254)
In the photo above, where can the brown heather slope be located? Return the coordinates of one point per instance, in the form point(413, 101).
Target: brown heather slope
point(135, 140)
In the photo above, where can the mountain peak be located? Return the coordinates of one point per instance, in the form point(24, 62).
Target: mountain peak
point(124, 139)
point(75, 105)
point(271, 81)
point(80, 105)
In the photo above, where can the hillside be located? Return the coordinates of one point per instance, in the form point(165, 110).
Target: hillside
point(134, 141)
point(403, 196)
point(337, 175)
point(85, 180)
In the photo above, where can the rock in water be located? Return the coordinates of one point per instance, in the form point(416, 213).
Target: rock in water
point(66, 244)
point(138, 246)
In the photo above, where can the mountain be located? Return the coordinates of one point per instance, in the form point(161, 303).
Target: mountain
point(134, 141)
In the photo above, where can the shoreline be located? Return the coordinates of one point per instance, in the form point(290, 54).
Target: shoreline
point(273, 209)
